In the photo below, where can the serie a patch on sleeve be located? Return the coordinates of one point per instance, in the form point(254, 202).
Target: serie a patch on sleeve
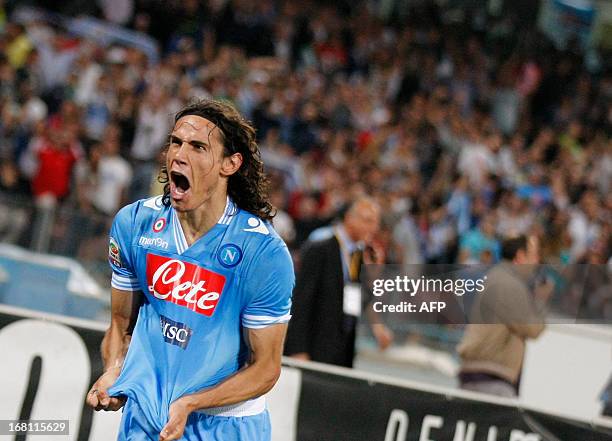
point(114, 254)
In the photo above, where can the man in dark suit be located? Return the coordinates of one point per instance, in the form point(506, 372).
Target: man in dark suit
point(326, 301)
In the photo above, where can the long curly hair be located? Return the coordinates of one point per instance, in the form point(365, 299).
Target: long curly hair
point(248, 187)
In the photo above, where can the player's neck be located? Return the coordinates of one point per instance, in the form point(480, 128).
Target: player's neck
point(196, 223)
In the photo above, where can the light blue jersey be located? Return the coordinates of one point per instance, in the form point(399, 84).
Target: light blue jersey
point(198, 299)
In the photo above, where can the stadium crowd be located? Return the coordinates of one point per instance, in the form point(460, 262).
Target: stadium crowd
point(464, 133)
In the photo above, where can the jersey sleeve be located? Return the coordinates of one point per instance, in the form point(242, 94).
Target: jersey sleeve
point(119, 251)
point(270, 285)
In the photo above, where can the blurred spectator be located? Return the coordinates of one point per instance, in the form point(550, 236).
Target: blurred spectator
point(104, 179)
point(479, 240)
point(584, 227)
point(515, 217)
point(152, 129)
point(33, 108)
point(117, 11)
point(13, 219)
point(493, 346)
point(307, 218)
point(459, 205)
point(56, 156)
point(18, 45)
point(283, 224)
point(102, 182)
point(406, 236)
point(97, 110)
point(56, 55)
point(440, 236)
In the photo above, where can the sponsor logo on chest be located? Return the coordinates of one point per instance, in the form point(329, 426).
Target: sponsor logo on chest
point(175, 333)
point(184, 284)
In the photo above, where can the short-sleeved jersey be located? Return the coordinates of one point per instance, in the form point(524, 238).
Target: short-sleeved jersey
point(198, 299)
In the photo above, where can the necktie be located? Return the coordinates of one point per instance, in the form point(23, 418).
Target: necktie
point(355, 265)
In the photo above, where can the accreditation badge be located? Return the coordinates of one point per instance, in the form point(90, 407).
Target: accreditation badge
point(351, 304)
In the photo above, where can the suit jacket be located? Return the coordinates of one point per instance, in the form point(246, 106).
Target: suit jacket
point(319, 325)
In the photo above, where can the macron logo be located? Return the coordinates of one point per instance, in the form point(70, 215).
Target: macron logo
point(175, 333)
point(257, 226)
point(148, 241)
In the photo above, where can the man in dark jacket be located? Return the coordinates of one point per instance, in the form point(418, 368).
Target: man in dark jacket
point(326, 300)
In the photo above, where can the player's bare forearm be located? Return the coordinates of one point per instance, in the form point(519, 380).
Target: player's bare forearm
point(254, 380)
point(114, 347)
point(117, 338)
point(124, 310)
point(250, 382)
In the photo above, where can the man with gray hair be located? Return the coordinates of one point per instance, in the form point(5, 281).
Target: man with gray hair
point(327, 300)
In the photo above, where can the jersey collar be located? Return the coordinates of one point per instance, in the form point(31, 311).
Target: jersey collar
point(177, 230)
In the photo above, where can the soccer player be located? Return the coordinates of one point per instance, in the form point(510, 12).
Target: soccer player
point(216, 282)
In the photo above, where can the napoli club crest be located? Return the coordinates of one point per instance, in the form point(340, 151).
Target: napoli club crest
point(229, 255)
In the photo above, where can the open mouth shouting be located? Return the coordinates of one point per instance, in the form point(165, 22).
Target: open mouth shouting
point(179, 185)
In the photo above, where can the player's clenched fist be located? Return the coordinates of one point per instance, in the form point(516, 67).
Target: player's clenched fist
point(177, 418)
point(97, 396)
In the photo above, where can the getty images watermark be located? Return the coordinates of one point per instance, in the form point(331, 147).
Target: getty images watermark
point(502, 293)
point(422, 285)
